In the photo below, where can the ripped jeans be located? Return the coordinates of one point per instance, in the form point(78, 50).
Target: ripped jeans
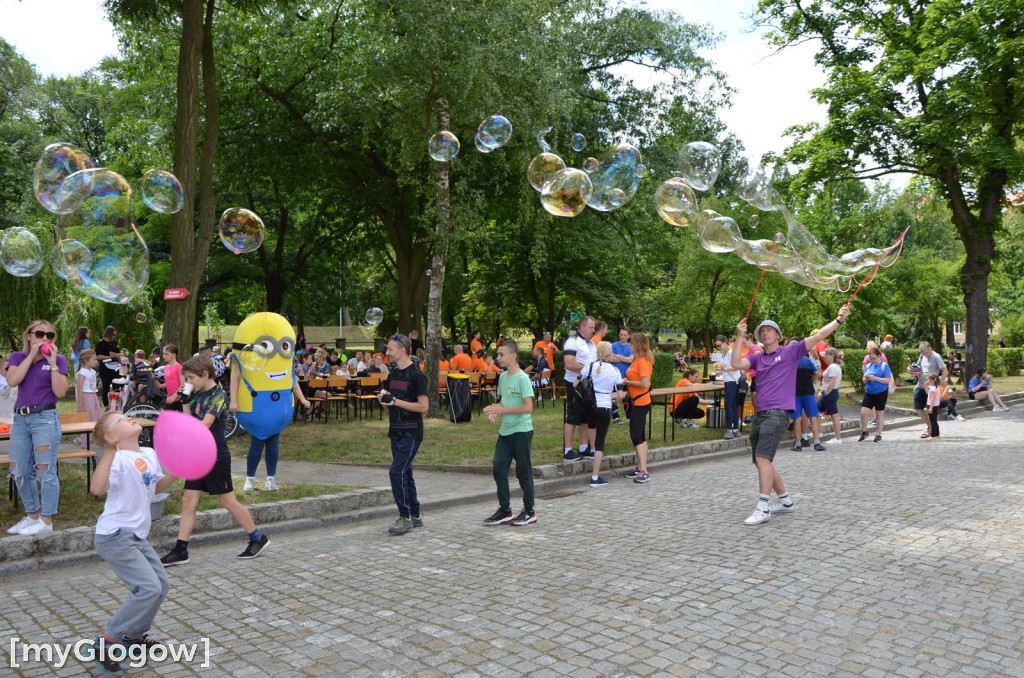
point(34, 442)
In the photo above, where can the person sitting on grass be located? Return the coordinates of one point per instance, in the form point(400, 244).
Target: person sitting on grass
point(210, 404)
point(130, 476)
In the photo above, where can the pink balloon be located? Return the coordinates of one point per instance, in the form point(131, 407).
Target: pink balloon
point(184, 445)
point(44, 349)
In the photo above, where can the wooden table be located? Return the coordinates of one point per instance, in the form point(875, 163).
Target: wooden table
point(717, 389)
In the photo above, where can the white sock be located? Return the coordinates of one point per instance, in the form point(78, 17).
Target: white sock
point(762, 502)
point(269, 478)
point(583, 448)
point(249, 480)
point(567, 450)
point(593, 477)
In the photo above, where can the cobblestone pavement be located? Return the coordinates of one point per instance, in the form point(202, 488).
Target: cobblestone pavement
point(902, 558)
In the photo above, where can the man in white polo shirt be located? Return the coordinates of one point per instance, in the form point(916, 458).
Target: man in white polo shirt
point(578, 353)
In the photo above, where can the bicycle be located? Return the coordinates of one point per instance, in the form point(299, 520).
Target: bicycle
point(145, 400)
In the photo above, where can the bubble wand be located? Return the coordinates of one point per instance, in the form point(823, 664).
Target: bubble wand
point(778, 236)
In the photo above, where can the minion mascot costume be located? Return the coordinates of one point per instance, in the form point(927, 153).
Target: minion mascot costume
point(264, 361)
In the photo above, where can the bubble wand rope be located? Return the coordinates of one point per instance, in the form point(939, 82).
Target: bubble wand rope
point(871, 276)
point(775, 244)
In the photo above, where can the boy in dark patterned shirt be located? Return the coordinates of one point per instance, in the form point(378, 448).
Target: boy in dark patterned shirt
point(210, 405)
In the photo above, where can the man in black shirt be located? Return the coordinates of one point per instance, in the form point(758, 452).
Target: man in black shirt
point(414, 342)
point(405, 397)
point(108, 350)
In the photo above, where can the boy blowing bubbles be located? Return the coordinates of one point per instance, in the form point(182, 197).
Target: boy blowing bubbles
point(130, 476)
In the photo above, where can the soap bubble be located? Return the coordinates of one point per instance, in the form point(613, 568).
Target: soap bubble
point(494, 132)
point(480, 145)
point(429, 273)
point(754, 221)
point(374, 317)
point(161, 191)
point(141, 318)
point(616, 170)
point(57, 163)
point(71, 260)
point(443, 146)
point(254, 357)
point(545, 147)
point(675, 201)
point(578, 142)
point(752, 184)
point(700, 162)
point(566, 194)
point(20, 252)
point(241, 230)
point(542, 168)
point(108, 258)
point(155, 132)
point(719, 234)
point(590, 165)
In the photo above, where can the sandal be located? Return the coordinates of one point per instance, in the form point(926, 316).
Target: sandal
point(926, 435)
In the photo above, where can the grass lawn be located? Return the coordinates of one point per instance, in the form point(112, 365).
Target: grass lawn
point(445, 443)
point(77, 507)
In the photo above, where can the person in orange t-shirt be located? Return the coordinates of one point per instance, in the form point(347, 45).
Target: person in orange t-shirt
point(474, 343)
point(600, 329)
point(549, 349)
point(638, 387)
point(460, 361)
point(479, 364)
point(685, 405)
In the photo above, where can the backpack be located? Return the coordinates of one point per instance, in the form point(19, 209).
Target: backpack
point(586, 398)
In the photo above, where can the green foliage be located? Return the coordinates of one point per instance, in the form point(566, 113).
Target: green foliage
point(1004, 362)
point(853, 365)
point(663, 372)
point(845, 342)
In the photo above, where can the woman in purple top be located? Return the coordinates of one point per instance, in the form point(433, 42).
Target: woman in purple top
point(42, 377)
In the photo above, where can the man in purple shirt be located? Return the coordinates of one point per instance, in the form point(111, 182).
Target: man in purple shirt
point(776, 400)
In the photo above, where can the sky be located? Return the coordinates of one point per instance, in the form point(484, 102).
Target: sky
point(772, 90)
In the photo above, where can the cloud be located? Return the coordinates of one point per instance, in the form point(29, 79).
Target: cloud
point(59, 37)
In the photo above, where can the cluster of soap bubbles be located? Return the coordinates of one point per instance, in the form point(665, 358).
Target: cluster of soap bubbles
point(374, 317)
point(796, 255)
point(493, 133)
point(241, 230)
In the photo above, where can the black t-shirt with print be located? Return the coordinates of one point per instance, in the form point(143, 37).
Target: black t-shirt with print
point(104, 347)
point(213, 401)
point(408, 385)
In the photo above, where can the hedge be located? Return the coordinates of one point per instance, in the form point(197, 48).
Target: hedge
point(663, 376)
point(1004, 362)
point(853, 364)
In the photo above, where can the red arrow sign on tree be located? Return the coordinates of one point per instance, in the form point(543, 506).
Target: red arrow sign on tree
point(175, 293)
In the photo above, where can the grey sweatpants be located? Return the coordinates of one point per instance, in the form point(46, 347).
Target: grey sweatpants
point(135, 563)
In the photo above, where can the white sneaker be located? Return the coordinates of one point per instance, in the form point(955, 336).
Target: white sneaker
point(757, 517)
point(38, 527)
point(779, 507)
point(271, 484)
point(249, 487)
point(23, 524)
point(1004, 408)
point(959, 417)
point(835, 441)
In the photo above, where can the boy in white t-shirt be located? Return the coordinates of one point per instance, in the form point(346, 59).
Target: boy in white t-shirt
point(130, 476)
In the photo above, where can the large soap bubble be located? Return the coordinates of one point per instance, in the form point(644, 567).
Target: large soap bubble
point(443, 146)
point(719, 234)
point(566, 194)
point(543, 168)
point(241, 230)
point(700, 163)
point(374, 317)
point(675, 201)
point(578, 142)
point(617, 170)
point(161, 191)
point(590, 165)
point(71, 260)
point(57, 163)
point(494, 132)
point(480, 145)
point(20, 252)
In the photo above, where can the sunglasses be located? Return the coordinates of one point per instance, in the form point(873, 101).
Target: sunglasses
point(45, 335)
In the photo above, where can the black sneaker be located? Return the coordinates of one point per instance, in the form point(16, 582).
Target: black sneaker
point(570, 456)
point(618, 420)
point(145, 641)
point(525, 518)
point(878, 439)
point(863, 436)
point(101, 657)
point(631, 474)
point(499, 517)
point(598, 482)
point(255, 548)
point(175, 557)
point(401, 526)
point(796, 447)
point(588, 453)
point(417, 521)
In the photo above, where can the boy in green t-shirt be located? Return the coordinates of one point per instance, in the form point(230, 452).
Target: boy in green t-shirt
point(515, 436)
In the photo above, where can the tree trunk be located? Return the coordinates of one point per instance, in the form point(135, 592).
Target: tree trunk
point(438, 264)
point(191, 247)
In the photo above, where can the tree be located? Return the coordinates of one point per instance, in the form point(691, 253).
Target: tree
point(926, 87)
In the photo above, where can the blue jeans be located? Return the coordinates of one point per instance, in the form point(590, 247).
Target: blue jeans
point(135, 563)
point(252, 460)
point(732, 415)
point(403, 451)
point(34, 442)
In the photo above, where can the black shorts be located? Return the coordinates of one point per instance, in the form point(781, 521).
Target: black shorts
point(573, 413)
point(638, 424)
point(876, 401)
point(830, 403)
point(920, 398)
point(217, 481)
point(602, 420)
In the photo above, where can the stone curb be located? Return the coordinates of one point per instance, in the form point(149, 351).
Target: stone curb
point(73, 546)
